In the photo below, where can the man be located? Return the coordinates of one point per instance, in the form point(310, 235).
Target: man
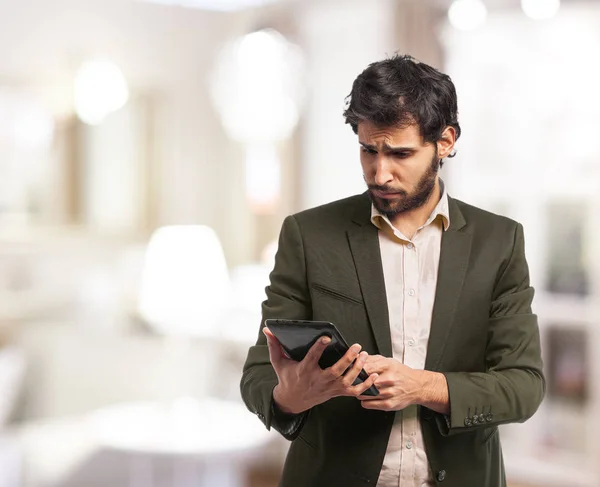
point(434, 293)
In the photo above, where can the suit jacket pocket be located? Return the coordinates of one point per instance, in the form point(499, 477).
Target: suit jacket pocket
point(335, 294)
point(489, 433)
point(345, 311)
point(307, 442)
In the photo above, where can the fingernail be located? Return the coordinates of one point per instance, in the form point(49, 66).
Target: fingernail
point(325, 340)
point(356, 347)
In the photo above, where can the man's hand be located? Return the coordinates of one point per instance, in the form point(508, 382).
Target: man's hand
point(400, 386)
point(304, 384)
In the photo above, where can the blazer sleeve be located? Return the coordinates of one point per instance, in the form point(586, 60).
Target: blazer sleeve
point(513, 386)
point(287, 297)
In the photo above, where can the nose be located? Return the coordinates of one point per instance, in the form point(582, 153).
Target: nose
point(383, 175)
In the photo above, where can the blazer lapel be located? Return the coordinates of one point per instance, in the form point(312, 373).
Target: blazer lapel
point(364, 245)
point(454, 260)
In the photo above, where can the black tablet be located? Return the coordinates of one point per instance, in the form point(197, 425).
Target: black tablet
point(298, 336)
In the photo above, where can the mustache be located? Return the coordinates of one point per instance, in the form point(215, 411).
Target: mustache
point(385, 189)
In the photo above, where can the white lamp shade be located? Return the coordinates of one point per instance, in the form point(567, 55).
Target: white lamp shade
point(185, 282)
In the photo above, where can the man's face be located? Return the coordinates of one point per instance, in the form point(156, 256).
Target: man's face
point(399, 169)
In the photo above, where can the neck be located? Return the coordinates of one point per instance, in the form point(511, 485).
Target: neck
point(408, 222)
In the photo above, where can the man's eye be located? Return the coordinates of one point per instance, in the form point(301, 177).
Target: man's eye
point(401, 155)
point(368, 151)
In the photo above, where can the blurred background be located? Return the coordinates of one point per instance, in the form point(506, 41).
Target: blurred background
point(149, 151)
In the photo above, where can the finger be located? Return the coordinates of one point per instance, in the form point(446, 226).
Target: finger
point(315, 352)
point(380, 405)
point(275, 350)
point(377, 359)
point(359, 389)
point(383, 386)
point(342, 364)
point(275, 341)
point(269, 334)
point(379, 397)
point(372, 368)
point(352, 373)
point(376, 366)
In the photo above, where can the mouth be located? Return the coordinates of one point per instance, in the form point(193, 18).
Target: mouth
point(386, 195)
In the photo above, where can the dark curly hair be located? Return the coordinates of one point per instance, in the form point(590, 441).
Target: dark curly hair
point(400, 91)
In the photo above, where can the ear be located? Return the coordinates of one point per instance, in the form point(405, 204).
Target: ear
point(445, 145)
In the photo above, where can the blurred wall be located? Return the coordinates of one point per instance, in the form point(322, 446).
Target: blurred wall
point(339, 44)
point(165, 54)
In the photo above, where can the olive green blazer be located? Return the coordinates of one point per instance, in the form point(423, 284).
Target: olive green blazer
point(484, 339)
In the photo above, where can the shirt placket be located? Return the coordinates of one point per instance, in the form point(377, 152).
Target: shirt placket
point(410, 358)
point(397, 334)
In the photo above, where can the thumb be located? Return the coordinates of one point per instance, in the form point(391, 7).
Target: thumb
point(275, 351)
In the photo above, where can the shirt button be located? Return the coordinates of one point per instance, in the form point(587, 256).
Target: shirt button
point(410, 246)
point(411, 343)
point(409, 445)
point(411, 292)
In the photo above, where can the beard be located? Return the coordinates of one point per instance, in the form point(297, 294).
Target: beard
point(404, 200)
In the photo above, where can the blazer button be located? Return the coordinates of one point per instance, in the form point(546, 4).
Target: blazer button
point(441, 475)
point(482, 418)
point(489, 417)
point(475, 419)
point(468, 422)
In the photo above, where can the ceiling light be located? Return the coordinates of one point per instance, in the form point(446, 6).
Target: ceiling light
point(215, 5)
point(100, 89)
point(467, 14)
point(540, 9)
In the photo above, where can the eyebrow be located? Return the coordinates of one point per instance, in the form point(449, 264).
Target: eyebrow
point(388, 148)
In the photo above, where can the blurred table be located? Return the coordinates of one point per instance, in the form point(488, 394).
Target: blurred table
point(208, 441)
point(186, 443)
